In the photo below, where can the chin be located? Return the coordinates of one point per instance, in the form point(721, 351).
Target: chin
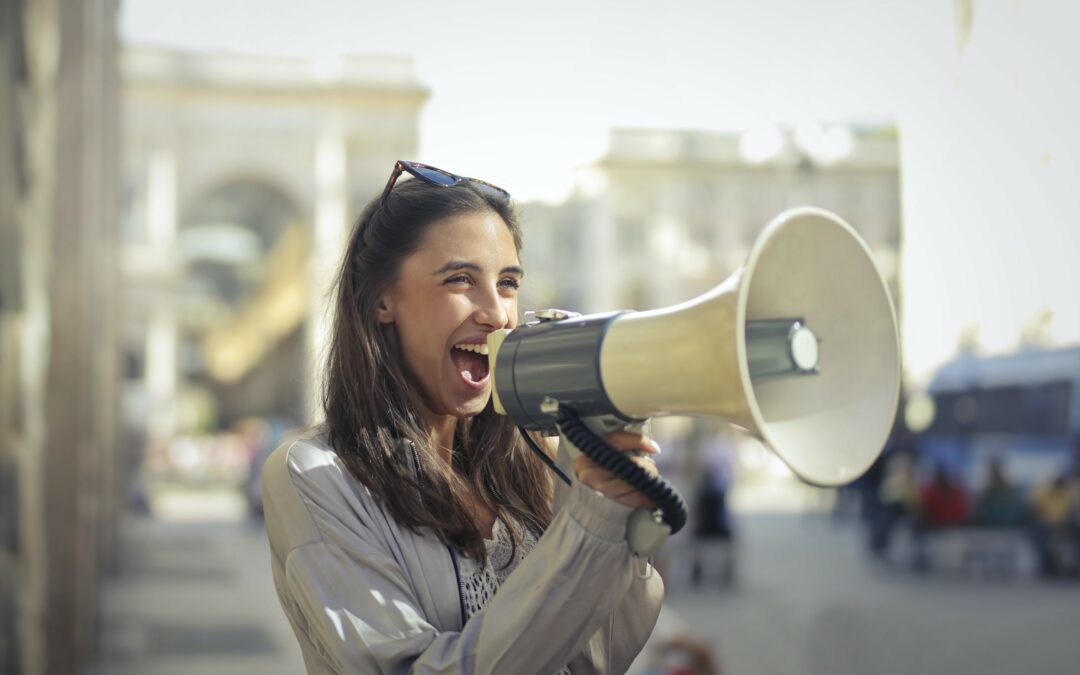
point(471, 410)
point(472, 407)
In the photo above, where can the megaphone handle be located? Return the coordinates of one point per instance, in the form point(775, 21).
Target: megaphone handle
point(646, 529)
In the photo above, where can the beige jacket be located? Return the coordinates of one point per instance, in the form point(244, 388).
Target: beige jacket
point(365, 595)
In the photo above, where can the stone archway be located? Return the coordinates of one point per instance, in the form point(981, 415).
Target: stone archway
point(244, 243)
point(228, 231)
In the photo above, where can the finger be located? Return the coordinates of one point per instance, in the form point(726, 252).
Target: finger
point(624, 494)
point(597, 479)
point(637, 501)
point(617, 490)
point(583, 464)
point(627, 441)
point(590, 472)
point(609, 485)
point(583, 461)
point(603, 476)
point(649, 464)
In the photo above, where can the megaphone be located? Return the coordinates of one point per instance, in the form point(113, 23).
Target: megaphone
point(799, 348)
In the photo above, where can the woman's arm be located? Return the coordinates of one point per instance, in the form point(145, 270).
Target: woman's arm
point(614, 647)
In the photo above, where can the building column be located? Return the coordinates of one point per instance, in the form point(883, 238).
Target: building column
point(57, 318)
point(162, 331)
point(328, 242)
point(80, 385)
point(600, 257)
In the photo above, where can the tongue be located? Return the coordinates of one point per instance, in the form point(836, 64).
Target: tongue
point(472, 366)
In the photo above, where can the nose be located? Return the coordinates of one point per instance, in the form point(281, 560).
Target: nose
point(492, 309)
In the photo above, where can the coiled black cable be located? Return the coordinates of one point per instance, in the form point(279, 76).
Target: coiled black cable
point(667, 499)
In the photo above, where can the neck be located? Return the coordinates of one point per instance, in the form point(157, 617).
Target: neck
point(442, 428)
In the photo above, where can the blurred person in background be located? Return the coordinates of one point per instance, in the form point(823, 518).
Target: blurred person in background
point(405, 532)
point(682, 656)
point(873, 511)
point(1053, 528)
point(713, 532)
point(260, 437)
point(1000, 503)
point(254, 434)
point(943, 503)
point(899, 501)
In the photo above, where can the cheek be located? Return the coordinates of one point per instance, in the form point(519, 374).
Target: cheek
point(430, 326)
point(414, 335)
point(511, 306)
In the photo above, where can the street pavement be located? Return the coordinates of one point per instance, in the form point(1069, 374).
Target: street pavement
point(809, 601)
point(195, 594)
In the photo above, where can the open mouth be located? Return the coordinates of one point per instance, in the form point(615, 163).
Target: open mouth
point(471, 362)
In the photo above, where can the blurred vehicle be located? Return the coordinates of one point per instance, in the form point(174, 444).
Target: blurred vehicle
point(999, 428)
point(1022, 407)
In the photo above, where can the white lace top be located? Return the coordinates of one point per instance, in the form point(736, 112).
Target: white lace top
point(478, 583)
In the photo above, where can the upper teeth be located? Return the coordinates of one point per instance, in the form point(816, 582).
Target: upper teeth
point(479, 349)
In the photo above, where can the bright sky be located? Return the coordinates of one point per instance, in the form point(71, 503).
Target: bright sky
point(523, 94)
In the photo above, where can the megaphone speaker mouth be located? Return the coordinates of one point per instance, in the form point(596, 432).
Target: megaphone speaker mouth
point(830, 427)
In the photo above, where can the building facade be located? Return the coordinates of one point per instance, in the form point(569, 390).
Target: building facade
point(666, 215)
point(242, 175)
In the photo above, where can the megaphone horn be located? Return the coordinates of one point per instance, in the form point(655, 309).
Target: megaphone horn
point(799, 348)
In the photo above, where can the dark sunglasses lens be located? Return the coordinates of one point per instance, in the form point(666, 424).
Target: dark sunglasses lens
point(489, 189)
point(435, 175)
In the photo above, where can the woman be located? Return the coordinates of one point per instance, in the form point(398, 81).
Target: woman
point(415, 531)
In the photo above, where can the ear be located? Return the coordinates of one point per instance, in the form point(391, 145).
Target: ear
point(384, 311)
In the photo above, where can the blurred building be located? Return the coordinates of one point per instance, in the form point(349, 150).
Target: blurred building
point(241, 176)
point(666, 215)
point(59, 105)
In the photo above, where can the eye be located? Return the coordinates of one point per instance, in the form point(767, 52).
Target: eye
point(509, 282)
point(459, 280)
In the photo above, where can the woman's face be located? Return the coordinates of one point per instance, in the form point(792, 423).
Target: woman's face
point(461, 284)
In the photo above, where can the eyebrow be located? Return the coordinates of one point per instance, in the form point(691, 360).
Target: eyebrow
point(455, 265)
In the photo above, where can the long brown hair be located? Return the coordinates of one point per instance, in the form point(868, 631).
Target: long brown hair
point(369, 412)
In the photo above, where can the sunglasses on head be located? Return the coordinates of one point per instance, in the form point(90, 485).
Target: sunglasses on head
point(434, 176)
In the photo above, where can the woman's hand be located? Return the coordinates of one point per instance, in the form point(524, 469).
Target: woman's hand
point(605, 482)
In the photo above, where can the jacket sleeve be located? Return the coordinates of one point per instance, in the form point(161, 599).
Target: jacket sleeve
point(613, 648)
point(566, 600)
point(632, 622)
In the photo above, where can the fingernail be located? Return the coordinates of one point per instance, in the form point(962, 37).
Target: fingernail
point(655, 446)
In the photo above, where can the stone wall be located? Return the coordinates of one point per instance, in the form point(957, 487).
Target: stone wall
point(58, 312)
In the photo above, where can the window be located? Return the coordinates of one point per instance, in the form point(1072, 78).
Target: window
point(1034, 410)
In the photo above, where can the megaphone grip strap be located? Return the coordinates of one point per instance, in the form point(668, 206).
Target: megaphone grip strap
point(667, 499)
